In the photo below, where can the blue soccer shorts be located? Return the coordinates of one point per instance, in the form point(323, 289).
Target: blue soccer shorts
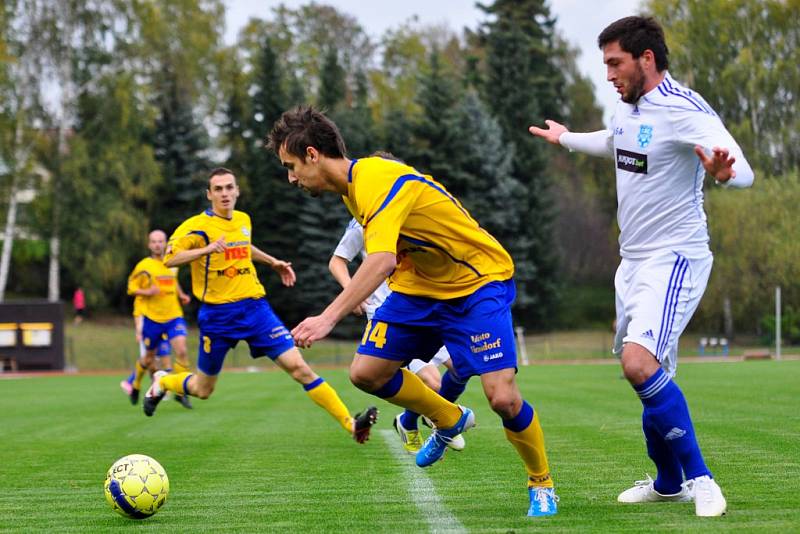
point(477, 329)
point(155, 333)
point(164, 348)
point(222, 326)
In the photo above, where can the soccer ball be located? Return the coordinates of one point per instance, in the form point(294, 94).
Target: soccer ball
point(136, 486)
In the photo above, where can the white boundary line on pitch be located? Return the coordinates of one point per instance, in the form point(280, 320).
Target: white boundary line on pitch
point(421, 489)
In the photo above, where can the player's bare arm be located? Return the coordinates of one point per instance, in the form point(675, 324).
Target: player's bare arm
point(187, 256)
point(551, 133)
point(283, 268)
point(341, 273)
point(719, 164)
point(375, 269)
point(183, 296)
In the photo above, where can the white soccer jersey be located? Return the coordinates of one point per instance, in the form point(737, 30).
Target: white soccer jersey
point(352, 245)
point(659, 177)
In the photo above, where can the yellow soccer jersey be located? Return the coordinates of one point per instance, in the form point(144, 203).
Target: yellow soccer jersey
point(441, 250)
point(163, 306)
point(220, 277)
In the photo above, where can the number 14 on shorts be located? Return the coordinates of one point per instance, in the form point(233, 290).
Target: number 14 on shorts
point(376, 333)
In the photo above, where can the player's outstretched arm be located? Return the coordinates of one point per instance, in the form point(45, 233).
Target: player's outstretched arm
point(551, 134)
point(597, 143)
point(283, 268)
point(373, 271)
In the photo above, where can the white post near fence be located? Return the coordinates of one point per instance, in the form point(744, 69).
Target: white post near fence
point(778, 323)
point(521, 350)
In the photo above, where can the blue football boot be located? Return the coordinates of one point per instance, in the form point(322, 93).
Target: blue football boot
point(436, 444)
point(543, 502)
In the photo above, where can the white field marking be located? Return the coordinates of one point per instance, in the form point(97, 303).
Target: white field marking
point(421, 489)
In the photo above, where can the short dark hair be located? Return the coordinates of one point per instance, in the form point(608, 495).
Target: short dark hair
point(218, 171)
point(635, 35)
point(302, 127)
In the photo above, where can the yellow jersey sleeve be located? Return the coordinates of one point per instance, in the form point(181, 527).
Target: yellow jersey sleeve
point(139, 278)
point(442, 252)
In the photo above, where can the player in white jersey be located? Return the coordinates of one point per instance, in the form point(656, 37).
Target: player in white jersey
point(663, 139)
point(350, 246)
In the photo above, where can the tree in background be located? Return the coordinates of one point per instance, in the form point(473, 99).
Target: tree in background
point(110, 177)
point(754, 239)
point(742, 56)
point(434, 130)
point(584, 188)
point(522, 85)
point(484, 182)
point(181, 146)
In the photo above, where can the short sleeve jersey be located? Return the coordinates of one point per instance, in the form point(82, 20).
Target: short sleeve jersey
point(352, 245)
point(164, 305)
point(220, 277)
point(659, 177)
point(442, 252)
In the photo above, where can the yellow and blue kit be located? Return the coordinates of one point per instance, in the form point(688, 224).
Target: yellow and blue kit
point(233, 305)
point(453, 282)
point(139, 305)
point(163, 316)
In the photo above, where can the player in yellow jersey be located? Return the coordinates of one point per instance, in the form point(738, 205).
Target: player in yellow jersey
point(217, 244)
point(162, 353)
point(158, 297)
point(451, 285)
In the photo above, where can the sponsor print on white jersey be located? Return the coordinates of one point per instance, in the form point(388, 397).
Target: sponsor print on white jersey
point(659, 177)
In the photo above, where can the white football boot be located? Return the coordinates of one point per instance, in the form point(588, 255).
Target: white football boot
point(644, 491)
point(708, 498)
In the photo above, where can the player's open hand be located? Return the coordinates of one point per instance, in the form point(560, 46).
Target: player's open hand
point(551, 133)
point(284, 269)
point(719, 164)
point(310, 330)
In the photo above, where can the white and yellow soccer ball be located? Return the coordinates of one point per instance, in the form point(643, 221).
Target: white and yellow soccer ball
point(136, 486)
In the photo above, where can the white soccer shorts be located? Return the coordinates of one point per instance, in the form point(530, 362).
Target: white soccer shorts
point(655, 299)
point(438, 359)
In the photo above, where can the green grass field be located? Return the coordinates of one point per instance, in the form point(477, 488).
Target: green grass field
point(259, 456)
point(110, 344)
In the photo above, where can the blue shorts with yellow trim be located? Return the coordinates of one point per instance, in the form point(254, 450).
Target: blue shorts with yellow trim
point(477, 329)
point(222, 326)
point(155, 333)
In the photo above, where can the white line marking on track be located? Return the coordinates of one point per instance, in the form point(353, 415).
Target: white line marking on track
point(421, 489)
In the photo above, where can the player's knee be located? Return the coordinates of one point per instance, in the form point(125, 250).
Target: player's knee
point(362, 380)
point(638, 363)
point(505, 404)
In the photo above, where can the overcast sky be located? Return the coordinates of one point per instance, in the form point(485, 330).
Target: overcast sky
point(580, 21)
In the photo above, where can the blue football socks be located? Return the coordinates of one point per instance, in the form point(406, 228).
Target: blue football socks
point(452, 386)
point(666, 418)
